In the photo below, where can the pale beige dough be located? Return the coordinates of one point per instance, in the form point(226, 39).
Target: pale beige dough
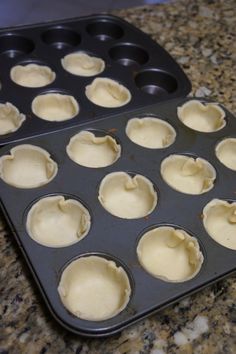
point(32, 75)
point(94, 288)
point(27, 166)
point(127, 197)
point(57, 222)
point(170, 254)
point(150, 132)
point(55, 107)
point(226, 152)
point(187, 174)
point(10, 118)
point(107, 93)
point(207, 117)
point(88, 150)
point(82, 64)
point(219, 219)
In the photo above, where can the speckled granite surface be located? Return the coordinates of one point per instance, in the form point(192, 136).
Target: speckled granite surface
point(200, 35)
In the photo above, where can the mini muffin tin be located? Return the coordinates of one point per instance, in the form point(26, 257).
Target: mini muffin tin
point(131, 58)
point(116, 238)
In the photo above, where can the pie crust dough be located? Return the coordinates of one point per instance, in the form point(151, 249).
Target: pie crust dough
point(57, 222)
point(55, 107)
point(219, 219)
point(10, 118)
point(27, 166)
point(150, 132)
point(187, 174)
point(105, 92)
point(226, 153)
point(208, 117)
point(127, 197)
point(94, 288)
point(32, 75)
point(170, 254)
point(82, 64)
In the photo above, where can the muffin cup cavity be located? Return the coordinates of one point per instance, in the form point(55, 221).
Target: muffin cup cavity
point(170, 254)
point(10, 118)
point(32, 75)
point(127, 197)
point(27, 166)
point(104, 30)
point(61, 38)
point(13, 45)
point(219, 220)
point(94, 288)
point(88, 150)
point(58, 222)
point(150, 132)
point(83, 64)
point(129, 54)
point(226, 152)
point(187, 174)
point(207, 117)
point(55, 107)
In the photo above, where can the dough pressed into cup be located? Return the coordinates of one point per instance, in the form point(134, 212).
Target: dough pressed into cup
point(57, 222)
point(219, 219)
point(127, 197)
point(170, 254)
point(94, 288)
point(10, 118)
point(82, 64)
point(55, 107)
point(108, 93)
point(88, 150)
point(27, 166)
point(32, 75)
point(207, 117)
point(150, 132)
point(187, 174)
point(226, 152)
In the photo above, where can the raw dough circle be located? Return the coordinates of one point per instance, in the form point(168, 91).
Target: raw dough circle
point(108, 93)
point(150, 132)
point(94, 288)
point(208, 117)
point(127, 197)
point(27, 166)
point(58, 222)
point(32, 75)
point(187, 174)
point(55, 107)
point(219, 219)
point(170, 254)
point(10, 118)
point(82, 64)
point(88, 150)
point(226, 153)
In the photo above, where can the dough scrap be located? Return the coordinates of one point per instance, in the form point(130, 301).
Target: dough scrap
point(82, 64)
point(32, 75)
point(226, 152)
point(10, 118)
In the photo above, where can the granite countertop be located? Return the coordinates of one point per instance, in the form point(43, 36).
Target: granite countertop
point(200, 36)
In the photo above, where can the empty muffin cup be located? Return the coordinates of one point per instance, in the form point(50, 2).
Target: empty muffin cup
point(27, 166)
point(55, 107)
point(219, 219)
point(32, 75)
point(170, 254)
point(88, 150)
point(128, 197)
point(108, 93)
point(82, 64)
point(150, 132)
point(226, 152)
point(207, 117)
point(58, 222)
point(10, 118)
point(187, 174)
point(94, 288)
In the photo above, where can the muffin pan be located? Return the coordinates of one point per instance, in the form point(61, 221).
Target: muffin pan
point(120, 218)
point(104, 63)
